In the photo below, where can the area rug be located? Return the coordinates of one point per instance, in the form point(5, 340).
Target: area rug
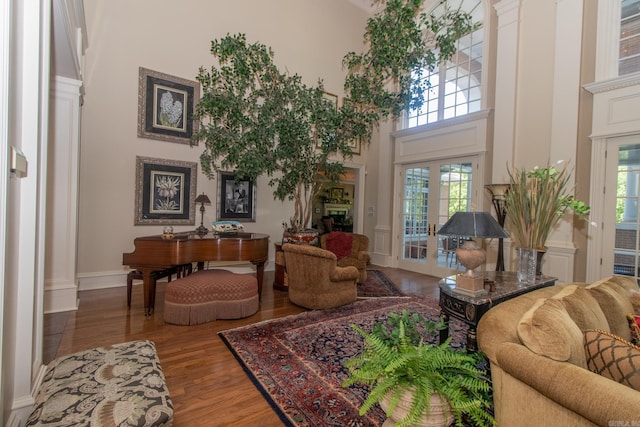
point(377, 284)
point(297, 361)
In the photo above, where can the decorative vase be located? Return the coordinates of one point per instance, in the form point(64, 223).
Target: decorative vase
point(539, 255)
point(439, 414)
point(308, 236)
point(527, 265)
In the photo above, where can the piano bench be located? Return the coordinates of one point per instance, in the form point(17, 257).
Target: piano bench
point(178, 270)
point(207, 295)
point(115, 385)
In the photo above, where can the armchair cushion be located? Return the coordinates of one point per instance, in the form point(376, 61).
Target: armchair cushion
point(340, 244)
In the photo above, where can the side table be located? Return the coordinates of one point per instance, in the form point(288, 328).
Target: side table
point(470, 309)
point(280, 281)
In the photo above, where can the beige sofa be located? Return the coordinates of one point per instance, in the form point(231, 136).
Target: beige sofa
point(539, 368)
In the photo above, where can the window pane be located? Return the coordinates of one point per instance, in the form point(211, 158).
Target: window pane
point(463, 74)
point(629, 54)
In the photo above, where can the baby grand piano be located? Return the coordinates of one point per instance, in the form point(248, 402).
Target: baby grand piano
point(154, 253)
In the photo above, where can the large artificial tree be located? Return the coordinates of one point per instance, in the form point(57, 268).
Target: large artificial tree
point(257, 120)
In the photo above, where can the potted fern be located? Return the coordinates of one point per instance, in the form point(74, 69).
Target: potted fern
point(418, 383)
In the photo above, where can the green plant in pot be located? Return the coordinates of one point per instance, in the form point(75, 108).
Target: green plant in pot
point(257, 120)
point(418, 383)
point(536, 201)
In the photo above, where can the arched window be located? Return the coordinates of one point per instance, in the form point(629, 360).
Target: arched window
point(461, 91)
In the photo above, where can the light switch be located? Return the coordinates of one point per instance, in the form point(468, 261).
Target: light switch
point(18, 163)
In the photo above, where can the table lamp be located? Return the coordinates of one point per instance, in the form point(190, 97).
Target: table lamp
point(202, 199)
point(470, 255)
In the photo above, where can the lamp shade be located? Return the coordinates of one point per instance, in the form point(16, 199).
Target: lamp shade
point(473, 224)
point(202, 198)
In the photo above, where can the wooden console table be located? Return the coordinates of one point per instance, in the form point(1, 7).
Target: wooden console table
point(470, 309)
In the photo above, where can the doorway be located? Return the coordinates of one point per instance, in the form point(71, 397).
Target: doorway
point(430, 192)
point(621, 246)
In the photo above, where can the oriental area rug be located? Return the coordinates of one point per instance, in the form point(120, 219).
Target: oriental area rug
point(377, 285)
point(297, 362)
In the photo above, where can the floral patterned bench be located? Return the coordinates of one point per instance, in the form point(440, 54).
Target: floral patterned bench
point(121, 385)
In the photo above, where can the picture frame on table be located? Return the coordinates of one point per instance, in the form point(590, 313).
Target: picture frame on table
point(236, 198)
point(166, 106)
point(165, 192)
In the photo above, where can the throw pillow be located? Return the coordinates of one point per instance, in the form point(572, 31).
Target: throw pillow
point(548, 330)
point(614, 302)
point(634, 327)
point(613, 357)
point(339, 243)
point(582, 307)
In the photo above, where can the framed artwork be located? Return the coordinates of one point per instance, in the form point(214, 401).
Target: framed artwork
point(236, 198)
point(165, 192)
point(356, 145)
point(165, 107)
point(337, 193)
point(332, 98)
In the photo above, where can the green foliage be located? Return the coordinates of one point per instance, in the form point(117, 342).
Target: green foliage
point(536, 201)
point(257, 120)
point(392, 363)
point(403, 41)
point(414, 325)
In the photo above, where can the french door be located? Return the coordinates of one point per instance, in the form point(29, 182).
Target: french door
point(429, 193)
point(621, 244)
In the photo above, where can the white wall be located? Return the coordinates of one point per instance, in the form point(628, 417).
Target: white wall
point(308, 37)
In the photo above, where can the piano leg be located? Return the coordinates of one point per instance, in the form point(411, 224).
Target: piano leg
point(149, 290)
point(259, 274)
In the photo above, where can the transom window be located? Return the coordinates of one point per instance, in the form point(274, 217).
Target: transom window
point(461, 91)
point(629, 56)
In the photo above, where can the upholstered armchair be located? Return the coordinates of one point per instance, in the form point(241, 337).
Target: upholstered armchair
point(315, 281)
point(350, 249)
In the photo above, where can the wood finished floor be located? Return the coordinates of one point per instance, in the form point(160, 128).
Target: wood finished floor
point(208, 386)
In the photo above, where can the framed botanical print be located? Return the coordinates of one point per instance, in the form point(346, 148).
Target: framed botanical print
point(165, 192)
point(165, 106)
point(236, 198)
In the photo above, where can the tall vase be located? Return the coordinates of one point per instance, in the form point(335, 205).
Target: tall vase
point(539, 255)
point(527, 265)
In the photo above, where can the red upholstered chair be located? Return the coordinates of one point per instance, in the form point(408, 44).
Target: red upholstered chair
point(315, 281)
point(351, 249)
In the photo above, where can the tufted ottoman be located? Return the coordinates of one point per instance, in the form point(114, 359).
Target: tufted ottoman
point(121, 385)
point(207, 295)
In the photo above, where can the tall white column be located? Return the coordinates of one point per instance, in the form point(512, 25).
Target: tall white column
point(61, 286)
point(508, 12)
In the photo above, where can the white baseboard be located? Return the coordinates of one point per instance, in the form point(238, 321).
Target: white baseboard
point(115, 279)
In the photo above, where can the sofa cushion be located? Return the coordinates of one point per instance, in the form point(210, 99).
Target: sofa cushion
point(548, 330)
point(612, 357)
point(614, 302)
point(582, 307)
